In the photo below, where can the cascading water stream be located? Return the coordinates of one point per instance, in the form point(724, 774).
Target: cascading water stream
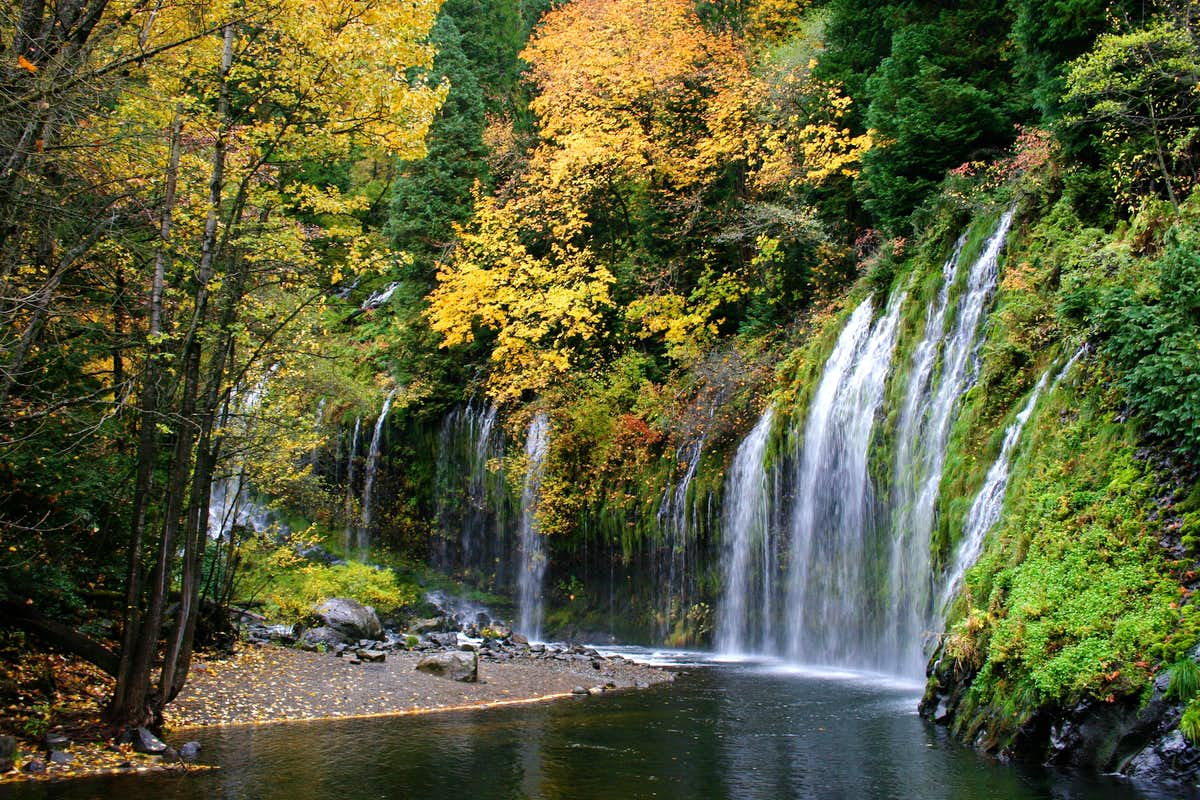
point(351, 464)
point(922, 436)
point(532, 569)
point(677, 519)
point(989, 501)
point(229, 501)
point(472, 493)
point(831, 618)
point(746, 618)
point(362, 541)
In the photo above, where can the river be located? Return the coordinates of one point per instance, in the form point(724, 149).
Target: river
point(722, 730)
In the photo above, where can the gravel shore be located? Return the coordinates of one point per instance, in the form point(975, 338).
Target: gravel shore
point(268, 683)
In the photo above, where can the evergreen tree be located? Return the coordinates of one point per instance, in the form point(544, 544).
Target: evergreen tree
point(434, 193)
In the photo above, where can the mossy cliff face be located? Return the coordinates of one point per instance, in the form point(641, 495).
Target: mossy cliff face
point(1061, 644)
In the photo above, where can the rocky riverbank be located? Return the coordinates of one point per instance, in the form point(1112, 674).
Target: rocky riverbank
point(268, 683)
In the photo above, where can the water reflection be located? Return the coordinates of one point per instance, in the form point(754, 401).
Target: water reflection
point(730, 731)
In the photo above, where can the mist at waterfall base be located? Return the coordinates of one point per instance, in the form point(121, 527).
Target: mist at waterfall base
point(732, 731)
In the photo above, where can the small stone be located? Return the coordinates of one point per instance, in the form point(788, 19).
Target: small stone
point(595, 663)
point(596, 690)
point(170, 754)
point(371, 656)
point(61, 757)
point(356, 660)
point(34, 766)
point(190, 751)
point(146, 742)
point(579, 690)
point(642, 685)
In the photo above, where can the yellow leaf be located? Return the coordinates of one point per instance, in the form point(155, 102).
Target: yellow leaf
point(25, 63)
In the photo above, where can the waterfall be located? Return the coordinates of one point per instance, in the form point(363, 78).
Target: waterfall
point(349, 537)
point(989, 502)
point(922, 435)
point(229, 501)
point(748, 556)
point(830, 585)
point(363, 539)
point(472, 494)
point(677, 522)
point(532, 550)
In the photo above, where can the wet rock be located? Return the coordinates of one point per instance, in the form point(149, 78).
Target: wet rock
point(596, 690)
point(537, 648)
point(61, 757)
point(371, 656)
point(518, 638)
point(350, 618)
point(8, 753)
point(146, 742)
point(456, 665)
point(468, 647)
point(190, 751)
point(579, 690)
point(170, 754)
point(34, 767)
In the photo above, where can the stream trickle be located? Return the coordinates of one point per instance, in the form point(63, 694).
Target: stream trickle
point(362, 541)
point(532, 571)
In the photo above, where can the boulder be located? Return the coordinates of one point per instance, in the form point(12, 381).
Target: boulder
point(8, 753)
point(458, 665)
point(371, 656)
point(330, 637)
point(519, 638)
point(350, 618)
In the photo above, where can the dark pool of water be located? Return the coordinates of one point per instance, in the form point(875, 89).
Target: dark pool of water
point(732, 731)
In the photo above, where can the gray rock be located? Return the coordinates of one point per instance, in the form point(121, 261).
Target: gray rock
point(371, 656)
point(56, 741)
point(330, 637)
point(61, 757)
point(34, 766)
point(190, 751)
point(456, 665)
point(146, 742)
point(8, 752)
point(579, 690)
point(429, 625)
point(519, 638)
point(444, 639)
point(170, 754)
point(351, 619)
point(596, 690)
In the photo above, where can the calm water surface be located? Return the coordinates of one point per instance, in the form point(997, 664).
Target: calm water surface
point(721, 731)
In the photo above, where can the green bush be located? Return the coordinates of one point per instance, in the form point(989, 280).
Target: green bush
point(1151, 336)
